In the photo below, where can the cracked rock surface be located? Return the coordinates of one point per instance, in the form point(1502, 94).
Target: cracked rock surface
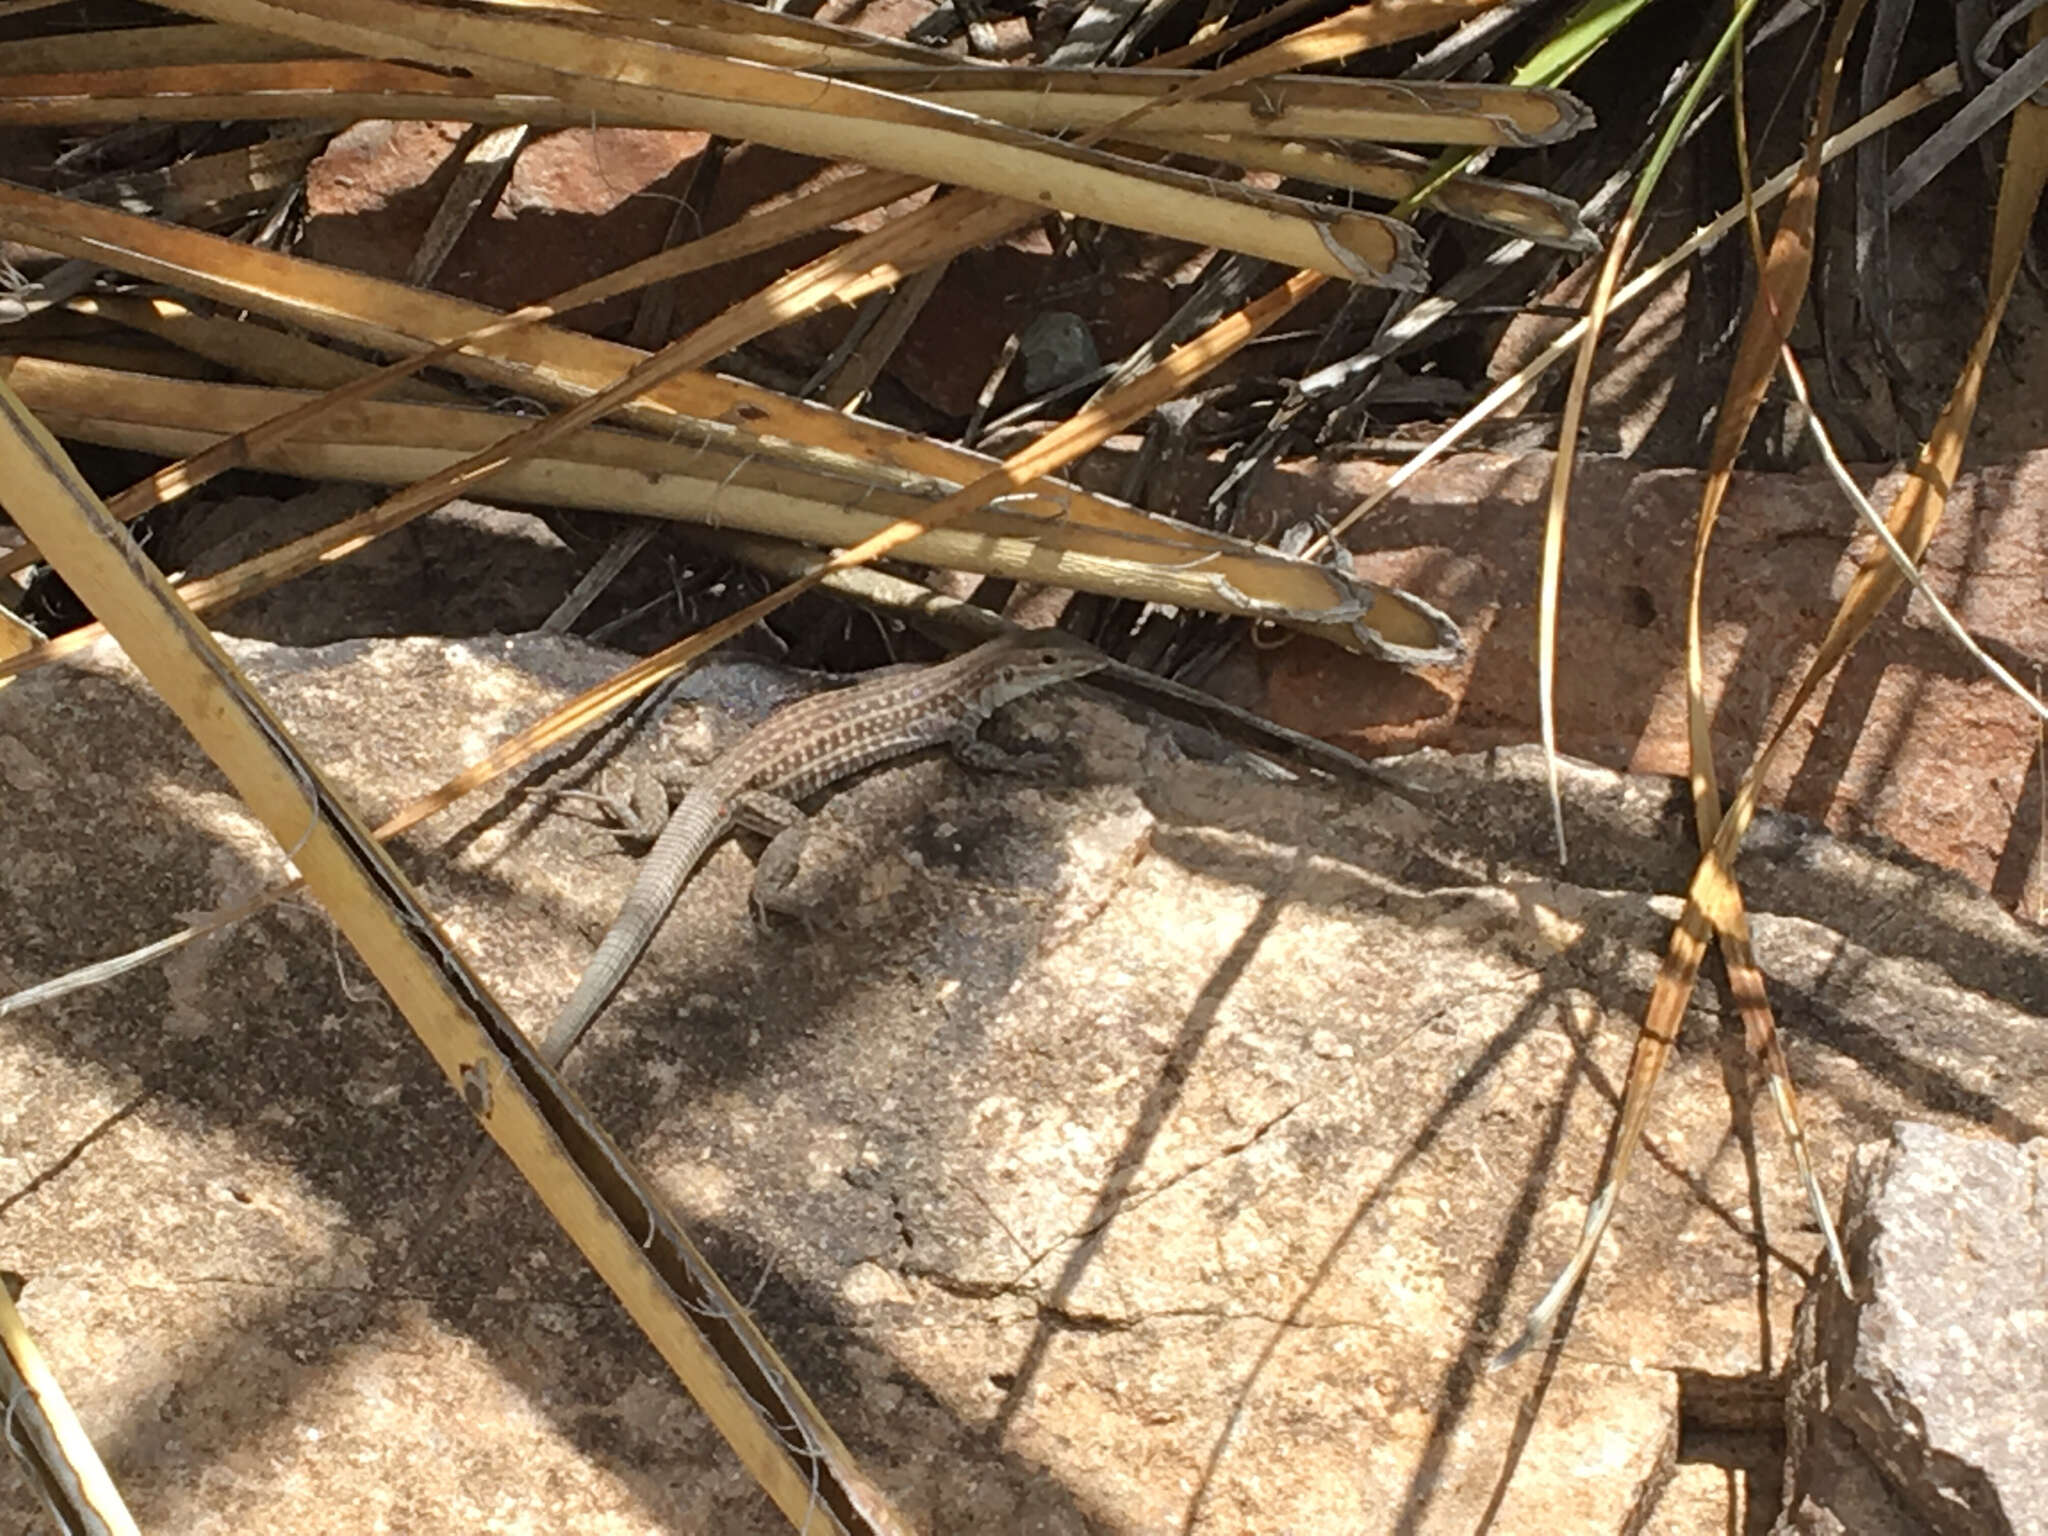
point(1150, 1147)
point(1921, 1403)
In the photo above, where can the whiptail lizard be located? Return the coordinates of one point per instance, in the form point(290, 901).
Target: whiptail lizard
point(797, 751)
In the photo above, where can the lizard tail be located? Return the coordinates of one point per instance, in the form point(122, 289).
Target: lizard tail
point(690, 831)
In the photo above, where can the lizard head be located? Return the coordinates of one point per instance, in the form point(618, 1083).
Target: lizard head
point(1037, 659)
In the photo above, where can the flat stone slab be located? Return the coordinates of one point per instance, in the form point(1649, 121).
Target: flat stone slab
point(1153, 1147)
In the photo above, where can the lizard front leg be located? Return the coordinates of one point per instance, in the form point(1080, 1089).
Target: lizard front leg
point(974, 751)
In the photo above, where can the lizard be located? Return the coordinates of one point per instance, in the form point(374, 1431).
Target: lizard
point(800, 749)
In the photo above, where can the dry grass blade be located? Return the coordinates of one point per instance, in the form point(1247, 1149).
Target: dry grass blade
point(1938, 86)
point(676, 1298)
point(1149, 197)
point(603, 470)
point(289, 88)
point(930, 233)
point(250, 351)
point(147, 47)
point(1528, 213)
point(1372, 25)
point(837, 200)
point(358, 88)
point(1597, 307)
point(1273, 106)
point(566, 366)
point(1713, 900)
point(841, 199)
point(1901, 561)
point(865, 265)
point(2019, 81)
point(209, 190)
point(1917, 509)
point(737, 30)
point(625, 79)
point(49, 1444)
point(916, 241)
point(1781, 289)
point(733, 30)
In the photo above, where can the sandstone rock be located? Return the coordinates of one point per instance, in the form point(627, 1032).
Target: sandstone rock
point(1911, 741)
point(580, 202)
point(1150, 1148)
point(1923, 1402)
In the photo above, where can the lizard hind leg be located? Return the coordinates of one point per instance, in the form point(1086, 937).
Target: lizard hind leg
point(775, 872)
point(637, 816)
